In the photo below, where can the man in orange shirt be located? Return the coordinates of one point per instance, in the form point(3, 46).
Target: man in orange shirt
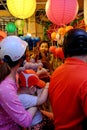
point(68, 85)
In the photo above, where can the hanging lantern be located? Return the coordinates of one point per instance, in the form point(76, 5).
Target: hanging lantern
point(61, 31)
point(52, 49)
point(85, 11)
point(59, 53)
point(2, 34)
point(60, 35)
point(10, 27)
point(53, 35)
point(20, 24)
point(61, 12)
point(68, 28)
point(21, 8)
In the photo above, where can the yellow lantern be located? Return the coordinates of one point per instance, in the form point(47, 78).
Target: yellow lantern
point(53, 35)
point(21, 8)
point(19, 24)
point(85, 11)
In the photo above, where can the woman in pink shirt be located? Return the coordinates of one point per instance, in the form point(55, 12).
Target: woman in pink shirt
point(13, 115)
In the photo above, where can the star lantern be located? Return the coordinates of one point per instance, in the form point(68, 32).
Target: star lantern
point(21, 8)
point(61, 12)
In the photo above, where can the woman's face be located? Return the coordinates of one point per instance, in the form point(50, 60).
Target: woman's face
point(44, 47)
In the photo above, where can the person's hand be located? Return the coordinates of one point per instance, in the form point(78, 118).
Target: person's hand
point(47, 85)
point(20, 69)
point(39, 91)
point(48, 114)
point(43, 73)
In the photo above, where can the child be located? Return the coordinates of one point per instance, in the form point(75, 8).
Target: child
point(29, 83)
point(43, 54)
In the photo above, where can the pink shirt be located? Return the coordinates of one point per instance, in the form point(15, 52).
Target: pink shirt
point(11, 110)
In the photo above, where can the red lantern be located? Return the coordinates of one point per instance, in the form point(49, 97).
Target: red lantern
point(59, 53)
point(2, 34)
point(52, 49)
point(61, 12)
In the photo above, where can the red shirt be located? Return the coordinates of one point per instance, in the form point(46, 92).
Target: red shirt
point(68, 94)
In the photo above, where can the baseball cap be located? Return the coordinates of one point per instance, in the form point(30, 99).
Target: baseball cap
point(28, 78)
point(12, 46)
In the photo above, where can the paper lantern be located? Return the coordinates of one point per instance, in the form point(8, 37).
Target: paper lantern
point(52, 49)
point(2, 35)
point(68, 28)
point(61, 12)
point(20, 24)
point(59, 53)
point(53, 35)
point(10, 27)
point(85, 11)
point(21, 8)
point(61, 31)
point(59, 39)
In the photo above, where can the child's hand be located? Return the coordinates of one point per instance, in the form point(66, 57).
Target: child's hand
point(47, 85)
point(43, 73)
point(39, 91)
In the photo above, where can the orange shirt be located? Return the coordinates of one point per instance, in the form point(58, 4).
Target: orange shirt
point(68, 94)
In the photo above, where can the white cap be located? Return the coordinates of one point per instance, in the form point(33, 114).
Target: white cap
point(12, 46)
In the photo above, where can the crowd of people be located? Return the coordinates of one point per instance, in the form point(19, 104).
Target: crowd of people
point(24, 91)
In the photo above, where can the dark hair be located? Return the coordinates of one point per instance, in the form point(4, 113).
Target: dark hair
point(75, 42)
point(8, 60)
point(6, 65)
point(44, 42)
point(4, 71)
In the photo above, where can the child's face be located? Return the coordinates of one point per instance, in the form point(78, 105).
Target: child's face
point(44, 47)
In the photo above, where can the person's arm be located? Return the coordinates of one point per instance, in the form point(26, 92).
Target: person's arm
point(32, 111)
point(28, 100)
point(12, 105)
point(43, 96)
point(48, 114)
